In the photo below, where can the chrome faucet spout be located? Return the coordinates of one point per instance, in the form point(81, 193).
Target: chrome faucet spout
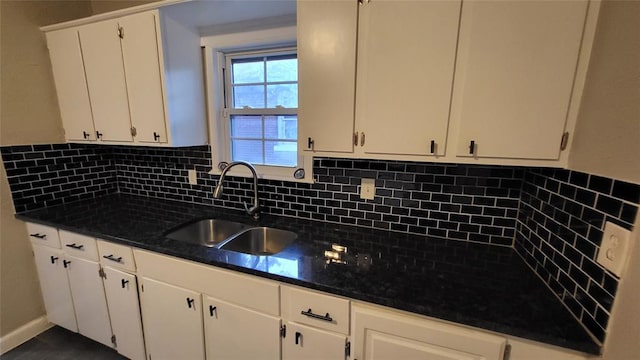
point(254, 210)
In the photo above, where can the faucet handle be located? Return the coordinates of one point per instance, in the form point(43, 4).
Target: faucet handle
point(252, 211)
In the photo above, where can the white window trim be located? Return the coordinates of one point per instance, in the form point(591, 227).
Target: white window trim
point(214, 48)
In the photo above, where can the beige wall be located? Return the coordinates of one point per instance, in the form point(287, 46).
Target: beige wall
point(607, 136)
point(102, 6)
point(623, 339)
point(607, 142)
point(28, 114)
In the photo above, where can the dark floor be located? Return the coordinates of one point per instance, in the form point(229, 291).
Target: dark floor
point(60, 344)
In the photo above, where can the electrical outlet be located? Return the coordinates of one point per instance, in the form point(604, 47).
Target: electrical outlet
point(614, 249)
point(193, 177)
point(368, 189)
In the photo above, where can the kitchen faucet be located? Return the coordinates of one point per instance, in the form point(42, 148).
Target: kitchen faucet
point(253, 211)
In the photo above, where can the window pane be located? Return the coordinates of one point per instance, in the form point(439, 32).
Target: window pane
point(247, 150)
point(282, 70)
point(285, 95)
point(251, 96)
point(246, 126)
point(281, 127)
point(248, 71)
point(283, 153)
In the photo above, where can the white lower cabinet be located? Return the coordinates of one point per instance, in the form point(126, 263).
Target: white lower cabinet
point(121, 289)
point(89, 300)
point(234, 332)
point(306, 343)
point(379, 334)
point(198, 311)
point(172, 318)
point(54, 283)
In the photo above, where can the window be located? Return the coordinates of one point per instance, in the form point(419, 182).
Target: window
point(261, 107)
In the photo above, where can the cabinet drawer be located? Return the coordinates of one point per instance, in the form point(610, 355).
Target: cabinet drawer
point(117, 256)
point(43, 235)
point(81, 246)
point(311, 308)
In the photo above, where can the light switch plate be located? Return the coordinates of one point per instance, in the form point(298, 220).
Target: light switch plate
point(615, 248)
point(368, 189)
point(193, 177)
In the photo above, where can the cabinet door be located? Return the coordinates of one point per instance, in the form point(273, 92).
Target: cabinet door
point(306, 343)
point(89, 300)
point(172, 318)
point(71, 84)
point(124, 310)
point(326, 74)
point(406, 57)
point(234, 332)
point(106, 80)
point(55, 287)
point(142, 69)
point(381, 334)
point(514, 76)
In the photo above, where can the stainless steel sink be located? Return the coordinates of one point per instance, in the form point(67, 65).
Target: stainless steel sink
point(207, 232)
point(260, 241)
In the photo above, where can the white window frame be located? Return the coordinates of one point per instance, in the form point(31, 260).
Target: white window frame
point(215, 49)
point(230, 110)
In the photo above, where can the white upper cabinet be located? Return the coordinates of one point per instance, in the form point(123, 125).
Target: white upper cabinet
point(515, 77)
point(326, 74)
point(492, 82)
point(71, 84)
point(143, 81)
point(106, 80)
point(406, 57)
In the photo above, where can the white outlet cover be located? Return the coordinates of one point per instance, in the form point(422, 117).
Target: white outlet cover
point(614, 250)
point(368, 189)
point(193, 177)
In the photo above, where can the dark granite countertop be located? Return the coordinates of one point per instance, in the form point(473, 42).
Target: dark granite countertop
point(485, 286)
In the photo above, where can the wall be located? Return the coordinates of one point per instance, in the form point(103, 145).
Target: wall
point(608, 126)
point(28, 114)
point(102, 6)
point(607, 143)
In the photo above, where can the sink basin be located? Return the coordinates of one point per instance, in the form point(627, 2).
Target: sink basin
point(260, 241)
point(207, 232)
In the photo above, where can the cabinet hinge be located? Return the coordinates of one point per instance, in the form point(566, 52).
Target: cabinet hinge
point(120, 32)
point(355, 138)
point(564, 141)
point(113, 341)
point(134, 131)
point(507, 352)
point(283, 331)
point(102, 274)
point(347, 349)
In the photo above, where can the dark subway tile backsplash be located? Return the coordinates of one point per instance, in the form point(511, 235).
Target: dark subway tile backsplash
point(560, 226)
point(555, 216)
point(47, 175)
point(435, 199)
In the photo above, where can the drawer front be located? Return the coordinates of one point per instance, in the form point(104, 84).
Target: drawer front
point(43, 235)
point(315, 309)
point(77, 245)
point(116, 256)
